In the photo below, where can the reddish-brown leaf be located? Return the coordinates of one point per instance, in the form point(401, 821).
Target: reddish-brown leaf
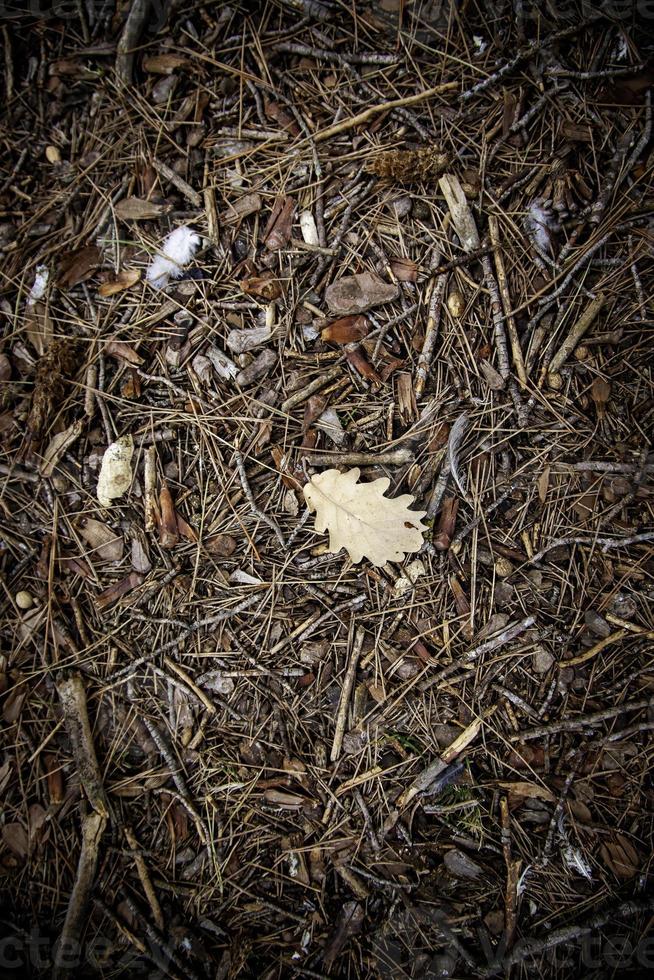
point(221, 545)
point(360, 362)
point(346, 330)
point(118, 589)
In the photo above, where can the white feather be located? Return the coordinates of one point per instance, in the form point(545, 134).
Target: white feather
point(176, 252)
point(40, 284)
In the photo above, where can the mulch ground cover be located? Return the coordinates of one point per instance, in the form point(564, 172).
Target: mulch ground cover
point(245, 245)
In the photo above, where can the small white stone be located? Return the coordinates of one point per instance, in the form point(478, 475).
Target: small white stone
point(24, 600)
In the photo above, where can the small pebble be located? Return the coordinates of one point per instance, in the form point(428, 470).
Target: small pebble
point(24, 600)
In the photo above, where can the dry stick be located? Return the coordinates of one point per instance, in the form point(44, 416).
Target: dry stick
point(168, 174)
point(422, 782)
point(144, 876)
point(431, 335)
point(607, 544)
point(129, 40)
point(366, 58)
point(161, 742)
point(126, 672)
point(577, 331)
point(488, 646)
point(585, 721)
point(498, 318)
point(93, 825)
point(272, 524)
point(300, 396)
point(396, 457)
point(530, 946)
point(512, 876)
point(516, 349)
point(73, 701)
point(374, 110)
point(348, 684)
point(526, 53)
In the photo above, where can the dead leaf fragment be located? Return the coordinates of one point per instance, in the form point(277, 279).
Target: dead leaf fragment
point(346, 330)
point(164, 64)
point(360, 519)
point(79, 266)
point(358, 293)
point(620, 856)
point(58, 446)
point(404, 270)
point(460, 213)
point(124, 280)
point(102, 541)
point(265, 286)
point(135, 209)
point(122, 350)
point(116, 470)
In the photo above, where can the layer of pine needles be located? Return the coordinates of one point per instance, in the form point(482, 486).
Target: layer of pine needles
point(218, 816)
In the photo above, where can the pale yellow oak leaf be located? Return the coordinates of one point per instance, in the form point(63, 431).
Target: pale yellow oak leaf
point(361, 519)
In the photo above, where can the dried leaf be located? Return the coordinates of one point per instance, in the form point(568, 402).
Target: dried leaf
point(350, 923)
point(122, 350)
point(265, 286)
point(15, 837)
point(620, 856)
point(58, 446)
point(124, 280)
point(462, 219)
point(360, 362)
point(164, 64)
point(283, 118)
point(135, 209)
point(361, 520)
point(118, 589)
point(102, 541)
point(79, 266)
point(221, 545)
point(116, 470)
point(347, 330)
point(358, 293)
point(404, 270)
point(523, 790)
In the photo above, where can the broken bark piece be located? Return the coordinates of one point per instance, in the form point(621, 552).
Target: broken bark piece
point(358, 293)
point(260, 366)
point(168, 528)
point(73, 701)
point(93, 827)
point(240, 341)
point(404, 270)
point(278, 230)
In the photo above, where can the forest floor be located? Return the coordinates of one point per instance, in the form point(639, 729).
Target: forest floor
point(226, 750)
